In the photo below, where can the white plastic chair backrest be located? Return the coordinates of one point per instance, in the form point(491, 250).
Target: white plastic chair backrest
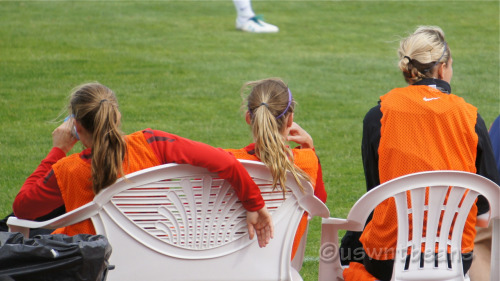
point(463, 189)
point(187, 213)
point(186, 206)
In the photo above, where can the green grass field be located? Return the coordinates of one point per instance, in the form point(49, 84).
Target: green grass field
point(178, 66)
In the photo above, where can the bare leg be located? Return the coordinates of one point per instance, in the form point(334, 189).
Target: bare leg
point(481, 265)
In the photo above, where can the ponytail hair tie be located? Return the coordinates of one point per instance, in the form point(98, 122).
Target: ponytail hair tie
point(103, 100)
point(290, 99)
point(262, 104)
point(407, 57)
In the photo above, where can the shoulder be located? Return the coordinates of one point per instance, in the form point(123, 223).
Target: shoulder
point(304, 151)
point(247, 152)
point(236, 151)
point(373, 115)
point(85, 156)
point(307, 160)
point(374, 111)
point(156, 135)
point(74, 161)
point(305, 156)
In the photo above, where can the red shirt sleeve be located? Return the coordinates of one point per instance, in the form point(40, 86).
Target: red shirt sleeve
point(40, 193)
point(320, 190)
point(171, 148)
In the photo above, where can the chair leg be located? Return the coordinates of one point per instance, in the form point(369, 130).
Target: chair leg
point(329, 259)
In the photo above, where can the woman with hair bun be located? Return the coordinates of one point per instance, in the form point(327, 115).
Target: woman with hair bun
point(439, 130)
point(62, 184)
point(270, 109)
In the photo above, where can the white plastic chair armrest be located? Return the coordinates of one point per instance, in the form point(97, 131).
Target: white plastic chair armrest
point(330, 267)
point(15, 226)
point(343, 224)
point(315, 207)
point(84, 212)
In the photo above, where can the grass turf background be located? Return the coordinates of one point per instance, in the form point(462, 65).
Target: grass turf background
point(178, 66)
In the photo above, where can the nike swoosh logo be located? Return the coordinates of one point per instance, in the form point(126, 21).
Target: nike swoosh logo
point(429, 99)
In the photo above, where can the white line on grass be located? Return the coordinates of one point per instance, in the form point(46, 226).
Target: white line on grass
point(311, 259)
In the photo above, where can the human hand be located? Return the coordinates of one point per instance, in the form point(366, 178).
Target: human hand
point(300, 136)
point(260, 222)
point(62, 136)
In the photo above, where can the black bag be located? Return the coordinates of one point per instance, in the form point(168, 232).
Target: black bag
point(53, 257)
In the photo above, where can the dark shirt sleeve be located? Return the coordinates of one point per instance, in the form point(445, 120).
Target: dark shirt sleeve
point(369, 146)
point(485, 162)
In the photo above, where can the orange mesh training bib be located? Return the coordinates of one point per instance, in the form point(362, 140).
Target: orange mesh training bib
point(74, 178)
point(422, 129)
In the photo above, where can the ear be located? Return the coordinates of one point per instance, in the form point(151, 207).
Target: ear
point(289, 121)
point(440, 71)
point(248, 118)
point(77, 125)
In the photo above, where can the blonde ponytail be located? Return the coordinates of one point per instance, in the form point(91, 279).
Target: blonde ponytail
point(269, 99)
point(96, 108)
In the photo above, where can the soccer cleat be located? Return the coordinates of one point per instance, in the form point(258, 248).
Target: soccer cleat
point(256, 25)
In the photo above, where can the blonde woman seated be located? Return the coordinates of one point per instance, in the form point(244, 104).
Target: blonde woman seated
point(270, 106)
point(420, 127)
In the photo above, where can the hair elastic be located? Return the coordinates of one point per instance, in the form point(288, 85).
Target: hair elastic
point(409, 59)
point(288, 106)
point(265, 104)
point(103, 100)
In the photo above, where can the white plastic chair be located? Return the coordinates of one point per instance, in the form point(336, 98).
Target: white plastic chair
point(439, 182)
point(180, 222)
